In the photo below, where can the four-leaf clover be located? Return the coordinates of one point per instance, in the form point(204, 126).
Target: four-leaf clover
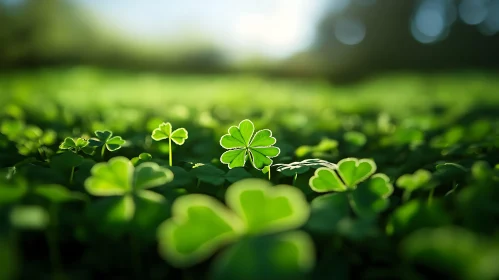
point(242, 143)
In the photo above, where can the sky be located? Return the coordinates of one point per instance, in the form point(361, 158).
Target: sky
point(273, 28)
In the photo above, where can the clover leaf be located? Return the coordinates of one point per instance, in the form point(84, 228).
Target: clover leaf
point(57, 193)
point(265, 208)
point(242, 143)
point(367, 195)
point(10, 192)
point(324, 149)
point(284, 256)
point(118, 177)
point(76, 145)
point(412, 182)
point(106, 140)
point(164, 131)
point(327, 211)
point(73, 144)
point(181, 177)
point(143, 157)
point(455, 252)
point(66, 161)
point(199, 226)
point(349, 173)
point(30, 217)
point(371, 197)
point(417, 214)
point(212, 175)
point(33, 139)
point(237, 174)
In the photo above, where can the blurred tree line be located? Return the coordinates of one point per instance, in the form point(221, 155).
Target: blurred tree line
point(55, 32)
point(389, 44)
point(58, 32)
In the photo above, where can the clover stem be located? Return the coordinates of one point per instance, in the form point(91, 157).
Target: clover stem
point(40, 151)
point(170, 150)
point(72, 175)
point(102, 151)
point(430, 196)
point(269, 173)
point(51, 235)
point(294, 178)
point(406, 195)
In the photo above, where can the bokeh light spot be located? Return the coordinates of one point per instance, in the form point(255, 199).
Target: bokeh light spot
point(472, 12)
point(490, 26)
point(350, 31)
point(430, 22)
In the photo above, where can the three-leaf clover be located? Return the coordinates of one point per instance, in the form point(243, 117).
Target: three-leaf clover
point(126, 186)
point(164, 131)
point(242, 143)
point(72, 144)
point(106, 140)
point(75, 145)
point(201, 224)
point(355, 185)
point(348, 174)
point(412, 182)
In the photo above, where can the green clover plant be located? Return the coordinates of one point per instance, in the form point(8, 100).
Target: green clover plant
point(126, 186)
point(453, 251)
point(164, 131)
point(326, 148)
point(106, 140)
point(143, 157)
point(200, 224)
point(242, 143)
point(352, 185)
point(284, 256)
point(76, 145)
point(28, 138)
point(12, 192)
point(411, 182)
point(214, 176)
point(66, 161)
point(35, 217)
point(349, 173)
point(56, 195)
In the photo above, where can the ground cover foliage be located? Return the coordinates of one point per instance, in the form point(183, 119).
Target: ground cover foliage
point(116, 175)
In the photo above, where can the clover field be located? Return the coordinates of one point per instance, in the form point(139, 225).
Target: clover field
point(114, 175)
